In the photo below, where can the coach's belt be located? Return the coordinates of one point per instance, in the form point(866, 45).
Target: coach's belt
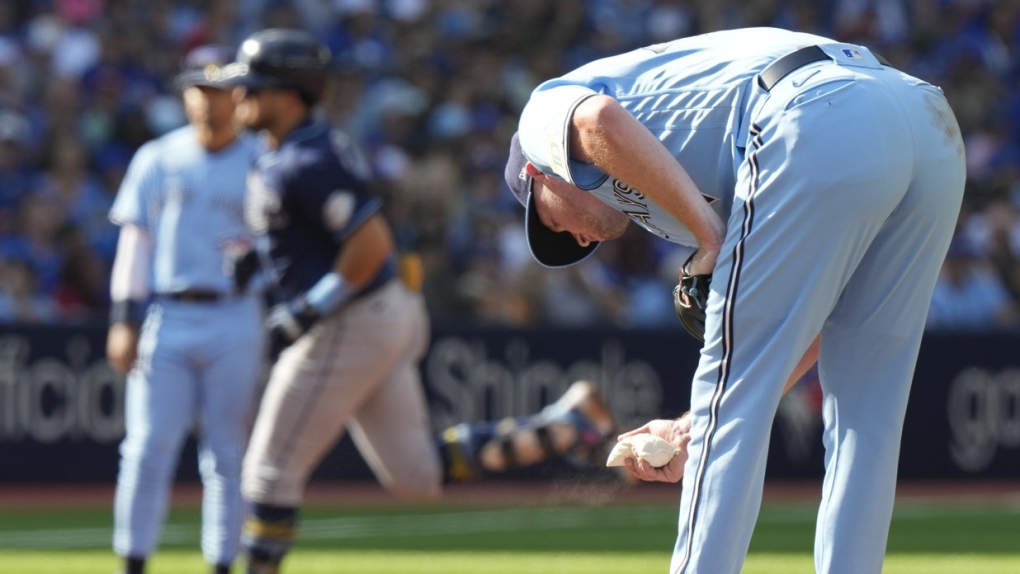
point(779, 69)
point(195, 296)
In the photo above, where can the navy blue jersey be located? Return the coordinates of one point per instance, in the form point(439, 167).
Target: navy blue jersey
point(304, 200)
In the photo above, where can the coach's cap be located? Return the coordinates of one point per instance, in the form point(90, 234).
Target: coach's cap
point(203, 66)
point(548, 247)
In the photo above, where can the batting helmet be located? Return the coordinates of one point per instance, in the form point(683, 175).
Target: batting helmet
point(282, 59)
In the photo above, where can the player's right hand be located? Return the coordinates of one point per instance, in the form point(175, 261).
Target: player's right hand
point(122, 346)
point(678, 433)
point(286, 323)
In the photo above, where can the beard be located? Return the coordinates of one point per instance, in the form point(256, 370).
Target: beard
point(606, 223)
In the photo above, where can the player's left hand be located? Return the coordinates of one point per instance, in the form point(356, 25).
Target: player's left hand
point(286, 323)
point(701, 262)
point(678, 433)
point(122, 346)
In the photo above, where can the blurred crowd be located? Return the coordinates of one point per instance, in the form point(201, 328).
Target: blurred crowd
point(432, 89)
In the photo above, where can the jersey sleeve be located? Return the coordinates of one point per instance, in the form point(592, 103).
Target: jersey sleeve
point(141, 182)
point(331, 193)
point(544, 132)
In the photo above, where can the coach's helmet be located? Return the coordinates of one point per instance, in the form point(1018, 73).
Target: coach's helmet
point(283, 59)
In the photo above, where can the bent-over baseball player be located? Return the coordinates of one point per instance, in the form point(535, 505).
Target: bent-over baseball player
point(820, 188)
point(192, 344)
point(349, 333)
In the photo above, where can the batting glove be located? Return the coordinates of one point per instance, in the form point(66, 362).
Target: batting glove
point(243, 267)
point(286, 323)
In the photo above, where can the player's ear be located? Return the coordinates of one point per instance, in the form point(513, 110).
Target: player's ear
point(532, 170)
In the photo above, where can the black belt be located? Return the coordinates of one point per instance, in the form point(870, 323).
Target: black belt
point(778, 70)
point(195, 296)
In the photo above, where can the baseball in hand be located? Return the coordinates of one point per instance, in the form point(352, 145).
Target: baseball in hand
point(654, 450)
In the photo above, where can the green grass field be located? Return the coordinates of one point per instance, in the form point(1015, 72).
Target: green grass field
point(561, 539)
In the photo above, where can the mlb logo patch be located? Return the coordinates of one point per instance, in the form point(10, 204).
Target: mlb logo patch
point(852, 54)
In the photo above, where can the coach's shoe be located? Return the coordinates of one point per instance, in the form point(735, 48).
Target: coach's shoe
point(133, 566)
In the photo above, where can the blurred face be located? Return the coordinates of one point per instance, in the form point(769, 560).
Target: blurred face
point(209, 107)
point(564, 207)
point(256, 107)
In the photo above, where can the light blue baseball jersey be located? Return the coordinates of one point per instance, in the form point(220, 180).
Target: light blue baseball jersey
point(692, 93)
point(192, 204)
point(840, 185)
point(198, 361)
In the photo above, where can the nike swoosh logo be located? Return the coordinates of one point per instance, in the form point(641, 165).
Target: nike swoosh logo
point(799, 83)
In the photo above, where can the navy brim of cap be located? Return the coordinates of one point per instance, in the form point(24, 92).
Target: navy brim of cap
point(551, 248)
